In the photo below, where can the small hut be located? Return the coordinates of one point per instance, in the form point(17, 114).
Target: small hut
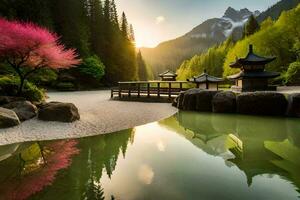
point(206, 81)
point(253, 76)
point(168, 76)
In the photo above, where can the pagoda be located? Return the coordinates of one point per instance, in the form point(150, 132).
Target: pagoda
point(253, 76)
point(168, 76)
point(206, 81)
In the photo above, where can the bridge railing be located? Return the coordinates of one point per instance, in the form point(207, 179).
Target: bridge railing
point(150, 89)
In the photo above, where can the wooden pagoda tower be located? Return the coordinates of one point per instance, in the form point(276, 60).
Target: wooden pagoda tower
point(253, 76)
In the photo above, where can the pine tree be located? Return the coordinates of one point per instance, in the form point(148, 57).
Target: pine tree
point(96, 27)
point(114, 14)
point(71, 22)
point(28, 10)
point(252, 26)
point(142, 68)
point(131, 34)
point(124, 26)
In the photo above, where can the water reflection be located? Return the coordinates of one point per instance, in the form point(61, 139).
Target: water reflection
point(187, 156)
point(30, 167)
point(256, 145)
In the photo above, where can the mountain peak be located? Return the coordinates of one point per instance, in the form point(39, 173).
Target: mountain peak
point(237, 15)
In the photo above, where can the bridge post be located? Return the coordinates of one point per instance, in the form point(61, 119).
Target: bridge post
point(129, 90)
point(170, 88)
point(120, 90)
point(139, 89)
point(158, 90)
point(148, 90)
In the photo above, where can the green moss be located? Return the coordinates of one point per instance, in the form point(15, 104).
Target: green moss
point(9, 86)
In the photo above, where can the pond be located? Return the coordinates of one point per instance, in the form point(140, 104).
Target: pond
point(187, 156)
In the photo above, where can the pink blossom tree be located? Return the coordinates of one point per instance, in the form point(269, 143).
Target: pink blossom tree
point(27, 48)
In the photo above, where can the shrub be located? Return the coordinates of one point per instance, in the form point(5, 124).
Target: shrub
point(93, 67)
point(9, 86)
point(44, 77)
point(292, 74)
point(65, 86)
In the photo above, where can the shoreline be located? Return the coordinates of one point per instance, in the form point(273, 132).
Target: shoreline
point(99, 115)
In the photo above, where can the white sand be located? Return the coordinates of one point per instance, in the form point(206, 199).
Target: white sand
point(98, 113)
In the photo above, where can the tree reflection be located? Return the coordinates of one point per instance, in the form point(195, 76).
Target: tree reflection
point(29, 173)
point(33, 168)
point(256, 145)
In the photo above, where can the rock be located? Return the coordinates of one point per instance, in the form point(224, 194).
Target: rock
point(180, 100)
point(56, 111)
point(25, 110)
point(294, 105)
point(8, 118)
point(190, 99)
point(196, 99)
point(204, 100)
point(261, 103)
point(224, 102)
point(175, 102)
point(9, 99)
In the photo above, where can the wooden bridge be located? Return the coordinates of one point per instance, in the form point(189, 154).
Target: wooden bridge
point(149, 89)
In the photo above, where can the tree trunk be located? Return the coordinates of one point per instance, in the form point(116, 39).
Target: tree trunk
point(20, 91)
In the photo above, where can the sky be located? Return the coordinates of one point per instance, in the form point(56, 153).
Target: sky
point(155, 21)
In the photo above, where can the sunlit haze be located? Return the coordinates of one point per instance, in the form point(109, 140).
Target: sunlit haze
point(155, 21)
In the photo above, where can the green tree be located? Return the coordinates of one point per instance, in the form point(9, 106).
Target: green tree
point(93, 67)
point(251, 26)
point(96, 27)
point(142, 68)
point(131, 33)
point(124, 26)
point(292, 75)
point(71, 22)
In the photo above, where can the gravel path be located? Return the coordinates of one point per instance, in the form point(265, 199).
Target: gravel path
point(98, 113)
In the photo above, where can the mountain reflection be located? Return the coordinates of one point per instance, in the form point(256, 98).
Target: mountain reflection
point(255, 145)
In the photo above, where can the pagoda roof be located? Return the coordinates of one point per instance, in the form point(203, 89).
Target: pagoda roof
point(254, 74)
point(168, 73)
point(204, 77)
point(251, 59)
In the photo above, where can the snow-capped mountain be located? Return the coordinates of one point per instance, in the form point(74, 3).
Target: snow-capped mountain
point(169, 54)
point(220, 28)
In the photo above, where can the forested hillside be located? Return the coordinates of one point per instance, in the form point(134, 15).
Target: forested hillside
point(275, 11)
point(93, 27)
point(169, 54)
point(279, 38)
point(211, 61)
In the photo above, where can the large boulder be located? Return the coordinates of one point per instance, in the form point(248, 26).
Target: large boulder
point(261, 103)
point(56, 111)
point(294, 105)
point(189, 100)
point(25, 110)
point(204, 100)
point(179, 100)
point(8, 99)
point(224, 102)
point(196, 100)
point(8, 118)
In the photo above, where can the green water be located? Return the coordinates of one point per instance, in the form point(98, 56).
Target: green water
point(188, 156)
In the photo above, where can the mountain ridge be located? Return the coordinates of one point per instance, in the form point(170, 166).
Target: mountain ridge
point(171, 53)
point(208, 33)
